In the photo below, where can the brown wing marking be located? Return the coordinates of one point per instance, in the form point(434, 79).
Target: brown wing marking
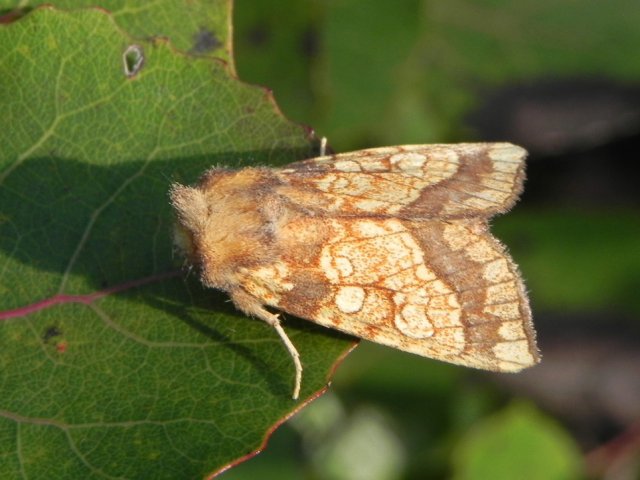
point(411, 181)
point(492, 296)
point(445, 290)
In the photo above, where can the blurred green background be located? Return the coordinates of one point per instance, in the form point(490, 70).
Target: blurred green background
point(561, 78)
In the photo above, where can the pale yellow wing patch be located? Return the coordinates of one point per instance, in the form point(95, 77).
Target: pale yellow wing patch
point(409, 181)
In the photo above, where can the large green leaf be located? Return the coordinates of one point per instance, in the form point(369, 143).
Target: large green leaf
point(199, 26)
point(111, 364)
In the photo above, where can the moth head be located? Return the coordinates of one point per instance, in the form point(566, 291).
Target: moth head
point(190, 207)
point(221, 225)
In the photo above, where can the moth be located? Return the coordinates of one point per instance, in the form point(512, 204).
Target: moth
point(388, 244)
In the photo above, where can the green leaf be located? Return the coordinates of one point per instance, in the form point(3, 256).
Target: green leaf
point(112, 365)
point(197, 26)
point(520, 443)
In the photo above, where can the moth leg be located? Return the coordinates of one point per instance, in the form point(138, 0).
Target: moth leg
point(252, 306)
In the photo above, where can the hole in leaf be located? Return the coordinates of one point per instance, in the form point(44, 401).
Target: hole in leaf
point(132, 59)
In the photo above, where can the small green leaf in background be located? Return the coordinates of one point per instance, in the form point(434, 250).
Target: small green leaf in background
point(111, 364)
point(518, 442)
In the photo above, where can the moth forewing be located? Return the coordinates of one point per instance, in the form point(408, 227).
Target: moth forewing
point(388, 244)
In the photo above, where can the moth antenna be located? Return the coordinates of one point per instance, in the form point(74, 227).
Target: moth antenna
point(274, 321)
point(249, 304)
point(295, 356)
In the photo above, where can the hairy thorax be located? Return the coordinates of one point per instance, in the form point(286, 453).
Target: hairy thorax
point(228, 223)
